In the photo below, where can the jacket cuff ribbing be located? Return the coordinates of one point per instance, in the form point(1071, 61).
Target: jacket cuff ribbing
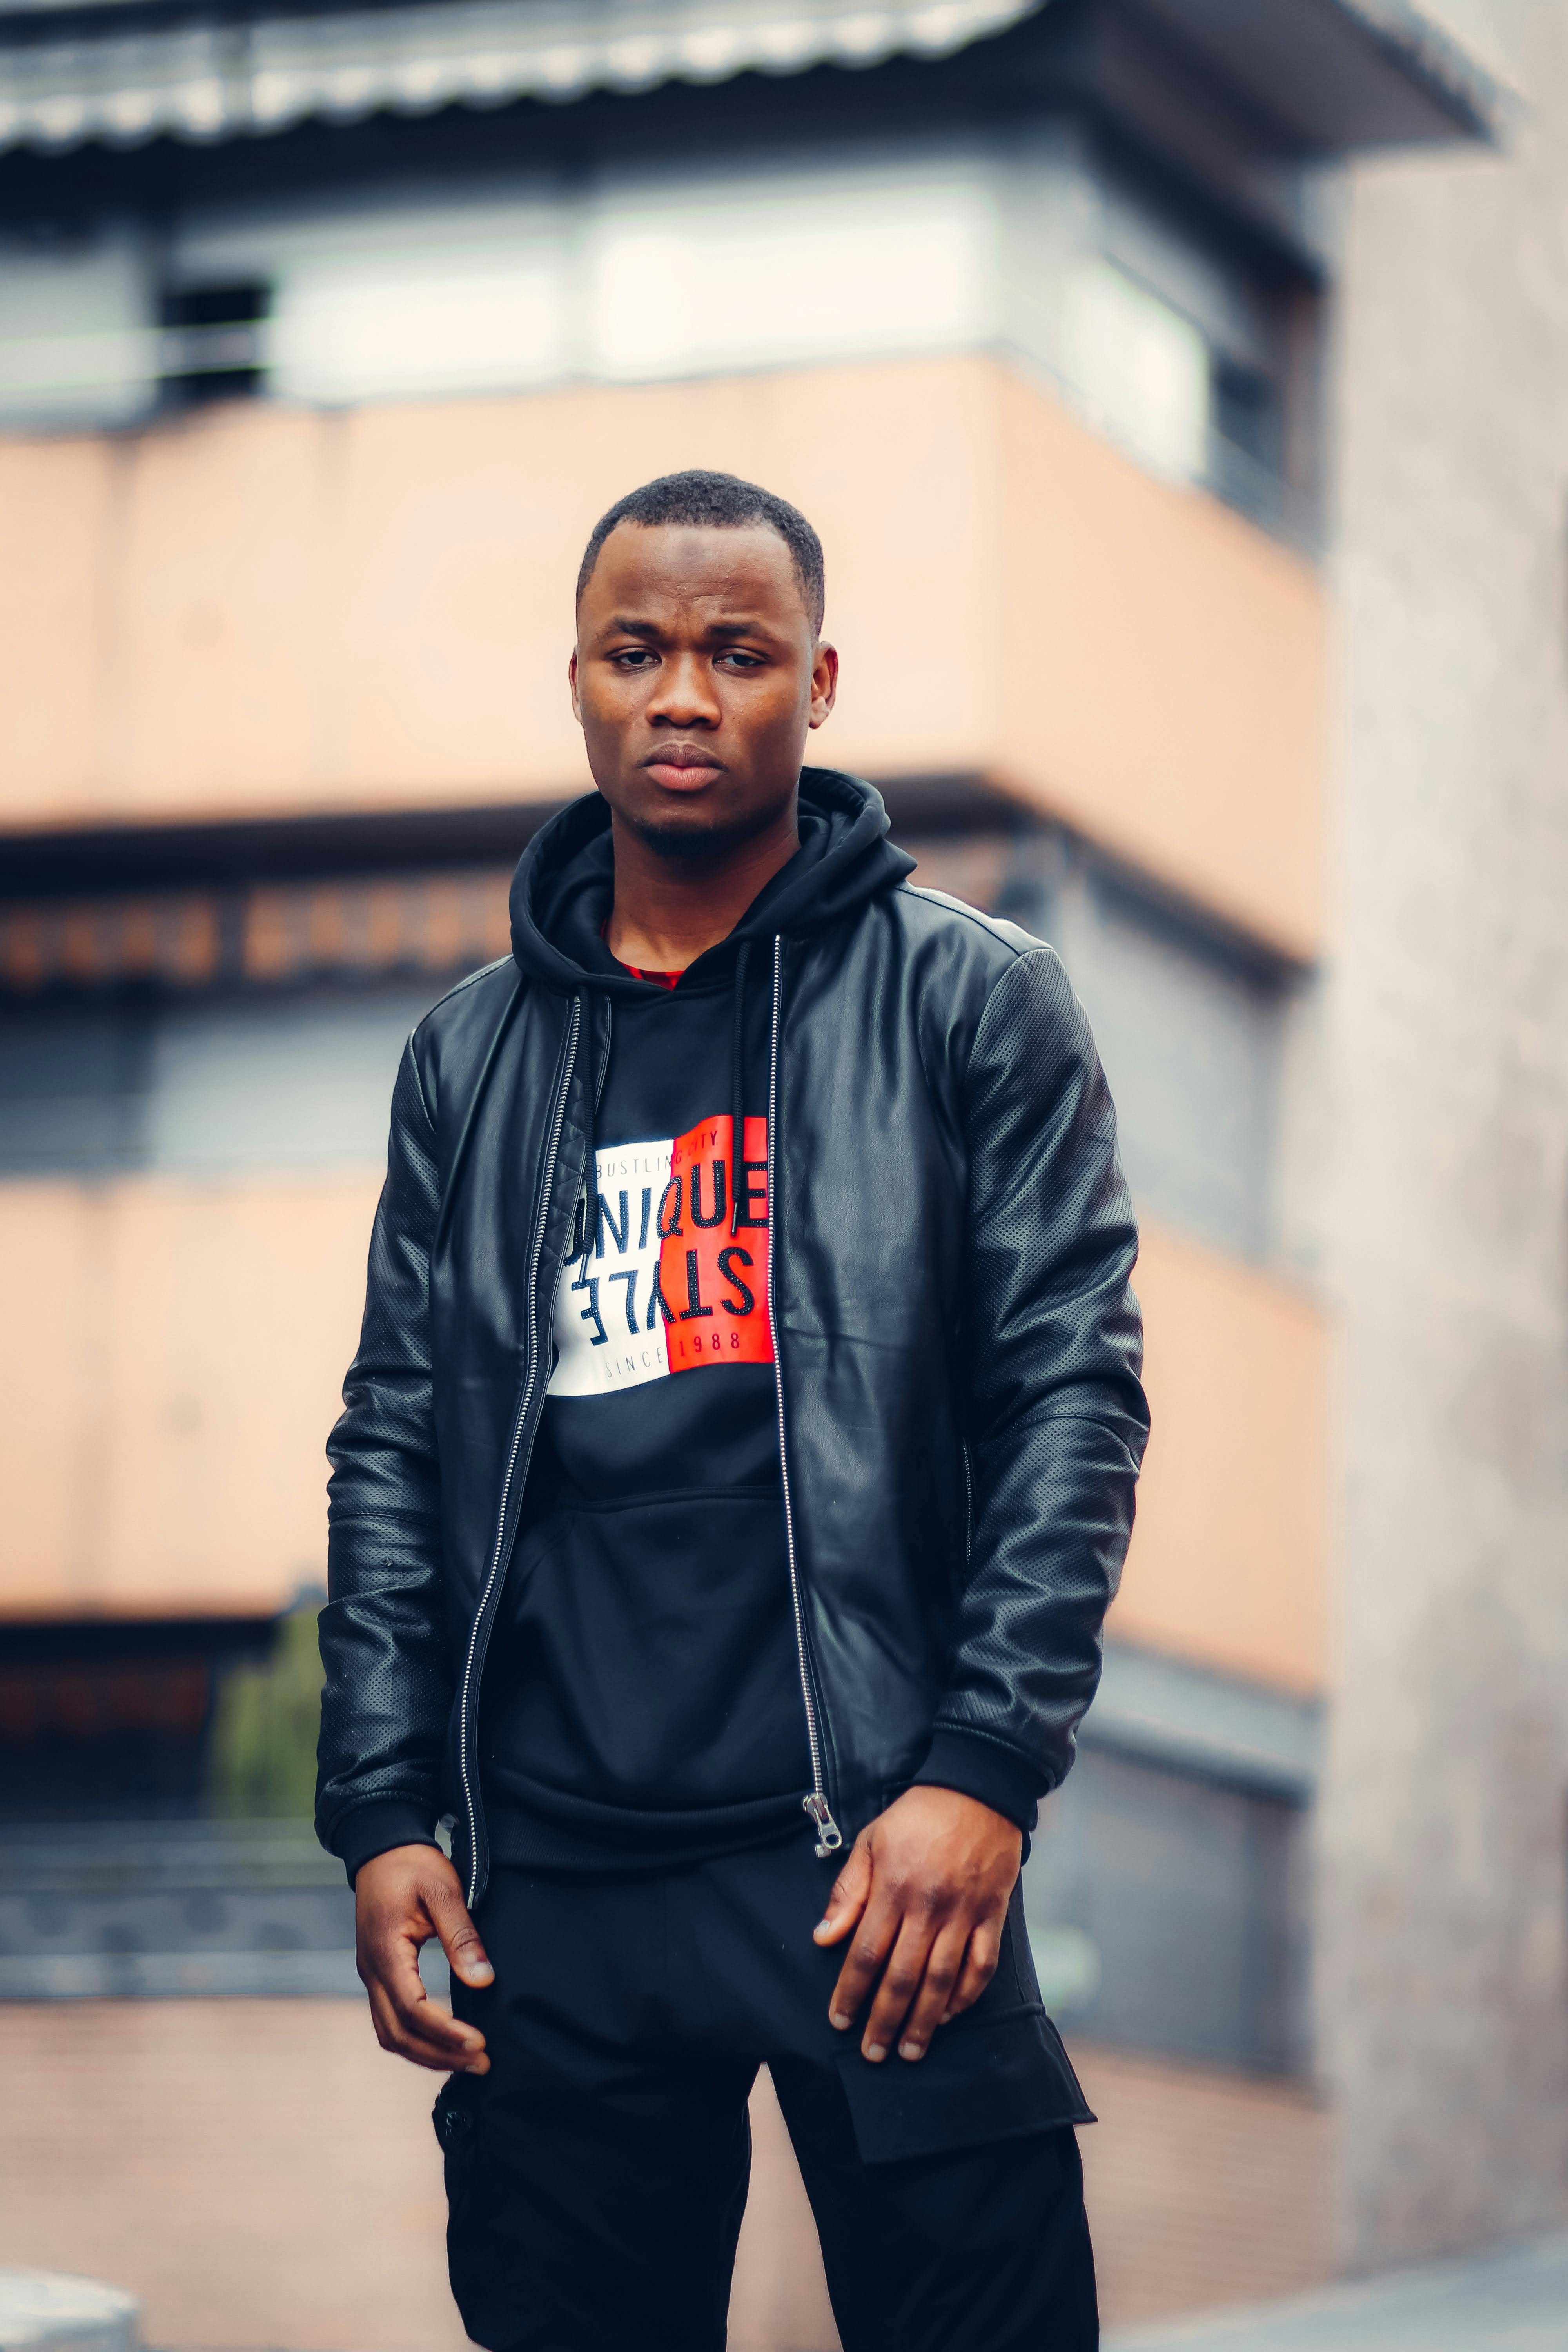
point(981, 1768)
point(375, 1827)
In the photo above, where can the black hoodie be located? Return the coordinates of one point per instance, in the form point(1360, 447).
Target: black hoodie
point(643, 1701)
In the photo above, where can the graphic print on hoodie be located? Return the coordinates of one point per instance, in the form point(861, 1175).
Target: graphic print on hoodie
point(642, 1700)
point(676, 1277)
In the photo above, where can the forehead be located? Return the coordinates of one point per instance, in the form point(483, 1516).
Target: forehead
point(744, 568)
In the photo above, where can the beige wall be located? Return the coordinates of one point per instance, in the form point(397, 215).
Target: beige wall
point(1227, 1560)
point(260, 610)
point(1160, 667)
point(171, 1353)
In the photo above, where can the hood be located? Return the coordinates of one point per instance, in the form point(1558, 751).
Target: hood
point(563, 885)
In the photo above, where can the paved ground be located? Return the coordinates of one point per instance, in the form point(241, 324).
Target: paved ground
point(1515, 2300)
point(257, 2172)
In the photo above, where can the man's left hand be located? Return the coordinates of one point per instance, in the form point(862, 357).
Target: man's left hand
point(925, 1892)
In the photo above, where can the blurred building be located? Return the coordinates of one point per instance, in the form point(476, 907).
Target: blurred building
point(324, 338)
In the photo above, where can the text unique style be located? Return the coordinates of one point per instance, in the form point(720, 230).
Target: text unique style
point(674, 1277)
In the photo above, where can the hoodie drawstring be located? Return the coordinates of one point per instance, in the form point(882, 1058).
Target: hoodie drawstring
point(738, 1089)
point(591, 1069)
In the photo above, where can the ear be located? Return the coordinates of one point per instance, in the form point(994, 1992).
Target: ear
point(824, 682)
point(572, 682)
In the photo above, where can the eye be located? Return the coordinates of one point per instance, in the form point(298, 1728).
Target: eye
point(739, 658)
point(631, 658)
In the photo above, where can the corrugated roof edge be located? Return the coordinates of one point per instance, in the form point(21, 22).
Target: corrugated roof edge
point(220, 80)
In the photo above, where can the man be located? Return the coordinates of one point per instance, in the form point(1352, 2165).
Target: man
point(735, 1471)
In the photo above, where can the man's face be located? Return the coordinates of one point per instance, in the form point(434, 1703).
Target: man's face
point(696, 680)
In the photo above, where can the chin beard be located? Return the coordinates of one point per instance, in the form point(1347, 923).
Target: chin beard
point(699, 843)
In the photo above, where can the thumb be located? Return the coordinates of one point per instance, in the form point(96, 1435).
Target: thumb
point(459, 1937)
point(851, 1891)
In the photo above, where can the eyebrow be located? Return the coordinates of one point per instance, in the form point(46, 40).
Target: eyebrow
point(728, 624)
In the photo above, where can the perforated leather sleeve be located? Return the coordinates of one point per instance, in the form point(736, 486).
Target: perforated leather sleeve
point(1053, 1344)
point(388, 1687)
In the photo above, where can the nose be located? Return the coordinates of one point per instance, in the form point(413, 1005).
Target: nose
point(685, 695)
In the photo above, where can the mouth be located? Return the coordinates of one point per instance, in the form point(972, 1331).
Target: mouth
point(682, 767)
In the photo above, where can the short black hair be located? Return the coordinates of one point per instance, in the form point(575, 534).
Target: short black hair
point(722, 501)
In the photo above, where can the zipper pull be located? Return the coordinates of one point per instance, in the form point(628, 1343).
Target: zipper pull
point(829, 1836)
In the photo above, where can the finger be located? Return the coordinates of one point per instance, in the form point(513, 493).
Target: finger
point(459, 1937)
point(431, 2021)
point(930, 2006)
point(979, 1968)
point(900, 1982)
point(392, 1969)
point(418, 2048)
point(851, 1891)
point(864, 1962)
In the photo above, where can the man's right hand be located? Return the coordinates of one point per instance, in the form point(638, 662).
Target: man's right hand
point(402, 1899)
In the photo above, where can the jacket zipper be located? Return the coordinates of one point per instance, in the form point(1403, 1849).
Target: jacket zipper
point(471, 1665)
point(829, 1836)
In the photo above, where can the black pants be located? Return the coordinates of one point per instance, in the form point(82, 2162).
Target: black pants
point(596, 2176)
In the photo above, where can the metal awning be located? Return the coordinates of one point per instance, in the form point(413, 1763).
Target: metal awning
point(1330, 75)
point(1338, 76)
point(225, 78)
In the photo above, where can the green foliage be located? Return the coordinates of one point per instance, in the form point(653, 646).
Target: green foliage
point(261, 1755)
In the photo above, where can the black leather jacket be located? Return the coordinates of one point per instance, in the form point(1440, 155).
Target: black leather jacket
point(958, 1352)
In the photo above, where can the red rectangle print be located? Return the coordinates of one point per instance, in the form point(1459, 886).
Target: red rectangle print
point(713, 1263)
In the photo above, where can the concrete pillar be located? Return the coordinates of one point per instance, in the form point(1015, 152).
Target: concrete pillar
point(1443, 1978)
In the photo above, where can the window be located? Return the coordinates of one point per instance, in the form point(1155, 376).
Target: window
point(1141, 369)
point(273, 1082)
point(475, 319)
point(228, 1081)
point(1191, 1029)
point(214, 345)
point(1175, 335)
point(72, 1088)
point(76, 344)
point(1192, 1038)
point(1167, 1912)
point(1245, 439)
point(755, 270)
point(1173, 339)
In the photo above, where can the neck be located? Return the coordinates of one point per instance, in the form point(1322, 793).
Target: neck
point(669, 910)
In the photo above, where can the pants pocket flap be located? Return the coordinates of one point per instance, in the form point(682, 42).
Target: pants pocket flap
point(996, 2075)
